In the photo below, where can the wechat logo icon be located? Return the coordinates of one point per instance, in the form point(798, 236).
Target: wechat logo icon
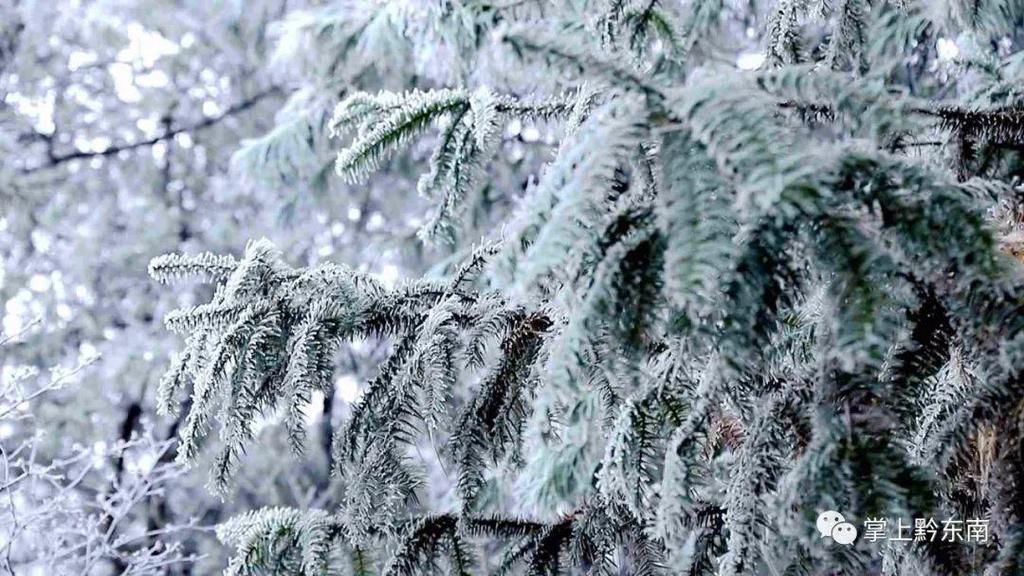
point(833, 525)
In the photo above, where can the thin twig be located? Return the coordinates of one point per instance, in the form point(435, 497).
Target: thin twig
point(58, 159)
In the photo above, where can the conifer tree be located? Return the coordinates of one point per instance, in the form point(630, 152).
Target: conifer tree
point(730, 299)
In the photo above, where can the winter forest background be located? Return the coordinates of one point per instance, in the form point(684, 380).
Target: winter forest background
point(509, 286)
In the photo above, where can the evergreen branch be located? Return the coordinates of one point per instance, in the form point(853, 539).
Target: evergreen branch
point(209, 267)
point(1000, 125)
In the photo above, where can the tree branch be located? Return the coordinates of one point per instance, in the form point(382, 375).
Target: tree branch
point(58, 159)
